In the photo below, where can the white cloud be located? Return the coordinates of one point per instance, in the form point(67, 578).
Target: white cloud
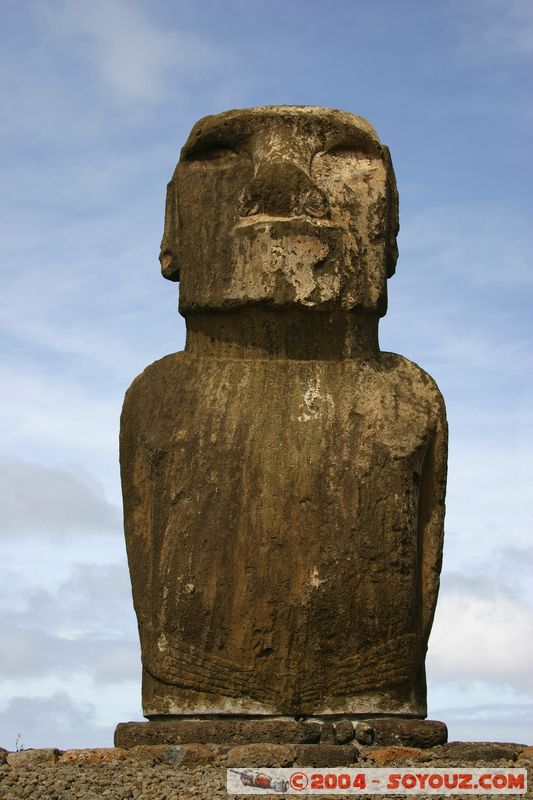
point(518, 560)
point(506, 722)
point(482, 633)
point(489, 508)
point(137, 59)
point(77, 639)
point(57, 408)
point(33, 653)
point(85, 625)
point(480, 652)
point(54, 721)
point(63, 501)
point(458, 306)
point(498, 26)
point(482, 245)
point(93, 599)
point(80, 74)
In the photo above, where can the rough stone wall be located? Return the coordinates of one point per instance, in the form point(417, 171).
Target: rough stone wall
point(199, 771)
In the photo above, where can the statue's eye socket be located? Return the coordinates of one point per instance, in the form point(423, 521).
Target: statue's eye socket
point(215, 153)
point(347, 151)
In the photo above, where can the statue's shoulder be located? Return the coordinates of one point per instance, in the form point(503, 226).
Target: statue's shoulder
point(154, 381)
point(409, 378)
point(404, 369)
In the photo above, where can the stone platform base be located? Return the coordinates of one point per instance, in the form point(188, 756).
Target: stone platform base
point(186, 771)
point(232, 732)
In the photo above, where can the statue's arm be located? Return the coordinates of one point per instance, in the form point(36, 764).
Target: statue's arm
point(431, 517)
point(137, 499)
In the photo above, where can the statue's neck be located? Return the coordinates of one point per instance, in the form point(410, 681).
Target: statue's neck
point(253, 332)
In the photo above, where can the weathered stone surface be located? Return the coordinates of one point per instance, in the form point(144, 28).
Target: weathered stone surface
point(261, 755)
point(154, 753)
point(221, 731)
point(303, 755)
point(191, 755)
point(131, 777)
point(409, 732)
point(390, 755)
point(526, 755)
point(306, 212)
point(364, 733)
point(95, 756)
point(325, 755)
point(186, 755)
point(283, 479)
point(33, 758)
point(327, 733)
point(344, 732)
point(469, 752)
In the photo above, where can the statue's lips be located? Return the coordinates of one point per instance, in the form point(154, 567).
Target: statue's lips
point(292, 233)
point(288, 243)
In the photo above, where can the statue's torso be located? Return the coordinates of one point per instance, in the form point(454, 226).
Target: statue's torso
point(272, 515)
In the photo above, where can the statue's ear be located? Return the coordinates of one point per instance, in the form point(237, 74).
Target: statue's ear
point(392, 212)
point(169, 244)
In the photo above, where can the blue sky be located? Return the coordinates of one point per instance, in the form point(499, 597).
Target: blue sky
point(98, 98)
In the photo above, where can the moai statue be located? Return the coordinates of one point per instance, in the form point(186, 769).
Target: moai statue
point(283, 478)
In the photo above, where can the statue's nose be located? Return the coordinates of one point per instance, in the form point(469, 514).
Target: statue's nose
point(282, 189)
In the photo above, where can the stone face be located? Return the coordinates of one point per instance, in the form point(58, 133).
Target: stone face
point(306, 212)
point(283, 479)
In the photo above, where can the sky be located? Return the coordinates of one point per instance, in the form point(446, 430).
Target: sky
point(98, 99)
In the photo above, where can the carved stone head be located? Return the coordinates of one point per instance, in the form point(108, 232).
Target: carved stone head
point(282, 206)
